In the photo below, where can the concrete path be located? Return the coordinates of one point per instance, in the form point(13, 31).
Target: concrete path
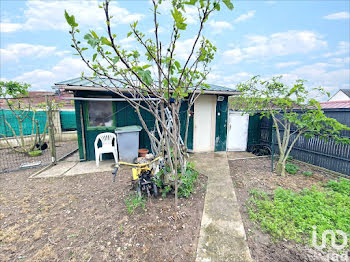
point(72, 168)
point(222, 236)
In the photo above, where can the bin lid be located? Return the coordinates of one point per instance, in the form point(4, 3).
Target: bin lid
point(126, 129)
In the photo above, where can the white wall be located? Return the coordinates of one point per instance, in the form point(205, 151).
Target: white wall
point(340, 96)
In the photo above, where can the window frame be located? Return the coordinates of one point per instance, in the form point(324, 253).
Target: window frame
point(86, 116)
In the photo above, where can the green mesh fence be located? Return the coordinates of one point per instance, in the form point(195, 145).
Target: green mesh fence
point(9, 122)
point(68, 121)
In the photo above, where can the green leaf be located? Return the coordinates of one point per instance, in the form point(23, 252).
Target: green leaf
point(94, 57)
point(191, 2)
point(177, 64)
point(91, 40)
point(129, 34)
point(115, 59)
point(179, 19)
point(105, 41)
point(70, 19)
point(228, 4)
point(93, 33)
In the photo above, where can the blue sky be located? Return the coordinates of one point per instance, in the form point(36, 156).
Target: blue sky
point(298, 39)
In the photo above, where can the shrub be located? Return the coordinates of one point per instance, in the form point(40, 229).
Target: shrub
point(307, 173)
point(291, 168)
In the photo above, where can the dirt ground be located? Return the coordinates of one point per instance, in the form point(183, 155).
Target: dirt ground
point(256, 174)
point(84, 218)
point(10, 160)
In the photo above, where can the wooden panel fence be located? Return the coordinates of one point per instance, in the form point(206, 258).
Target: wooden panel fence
point(327, 154)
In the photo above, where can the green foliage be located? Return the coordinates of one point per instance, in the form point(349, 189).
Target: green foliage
point(307, 173)
point(133, 202)
point(291, 168)
point(187, 181)
point(293, 110)
point(279, 101)
point(290, 215)
point(343, 186)
point(12, 89)
point(35, 153)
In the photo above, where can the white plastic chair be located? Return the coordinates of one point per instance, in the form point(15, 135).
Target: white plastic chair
point(107, 146)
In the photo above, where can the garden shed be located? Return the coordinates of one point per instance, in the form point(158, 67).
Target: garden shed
point(98, 110)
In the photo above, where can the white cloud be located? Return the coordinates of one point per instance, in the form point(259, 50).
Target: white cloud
point(127, 42)
point(342, 48)
point(219, 78)
point(337, 16)
point(43, 79)
point(320, 74)
point(14, 52)
point(219, 26)
point(9, 27)
point(287, 64)
point(275, 45)
point(47, 15)
point(245, 17)
point(183, 48)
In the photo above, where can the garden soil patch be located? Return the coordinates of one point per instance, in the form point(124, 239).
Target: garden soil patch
point(84, 218)
point(256, 174)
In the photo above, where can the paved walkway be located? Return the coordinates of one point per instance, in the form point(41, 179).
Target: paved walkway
point(72, 167)
point(222, 236)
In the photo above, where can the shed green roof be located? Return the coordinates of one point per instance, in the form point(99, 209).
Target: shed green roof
point(83, 84)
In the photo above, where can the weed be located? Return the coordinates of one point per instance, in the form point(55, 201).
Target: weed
point(135, 201)
point(35, 153)
point(343, 186)
point(307, 173)
point(289, 158)
point(291, 168)
point(290, 215)
point(187, 182)
point(121, 229)
point(166, 190)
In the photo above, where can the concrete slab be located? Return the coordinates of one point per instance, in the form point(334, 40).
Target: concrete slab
point(56, 170)
point(222, 236)
point(90, 167)
point(73, 168)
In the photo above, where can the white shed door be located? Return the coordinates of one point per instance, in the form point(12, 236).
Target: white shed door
point(204, 123)
point(237, 131)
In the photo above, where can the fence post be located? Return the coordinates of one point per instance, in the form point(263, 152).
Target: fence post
point(51, 131)
point(272, 147)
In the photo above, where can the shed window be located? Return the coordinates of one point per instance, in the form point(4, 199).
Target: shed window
point(100, 113)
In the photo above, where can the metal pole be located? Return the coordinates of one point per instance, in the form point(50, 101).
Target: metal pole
point(272, 147)
point(51, 132)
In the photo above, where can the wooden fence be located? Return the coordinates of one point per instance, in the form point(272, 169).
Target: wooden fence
point(326, 154)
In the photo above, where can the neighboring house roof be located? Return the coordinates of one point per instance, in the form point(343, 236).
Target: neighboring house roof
point(83, 84)
point(335, 104)
point(346, 91)
point(38, 97)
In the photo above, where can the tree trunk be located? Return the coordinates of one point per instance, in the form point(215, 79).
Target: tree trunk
point(281, 166)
